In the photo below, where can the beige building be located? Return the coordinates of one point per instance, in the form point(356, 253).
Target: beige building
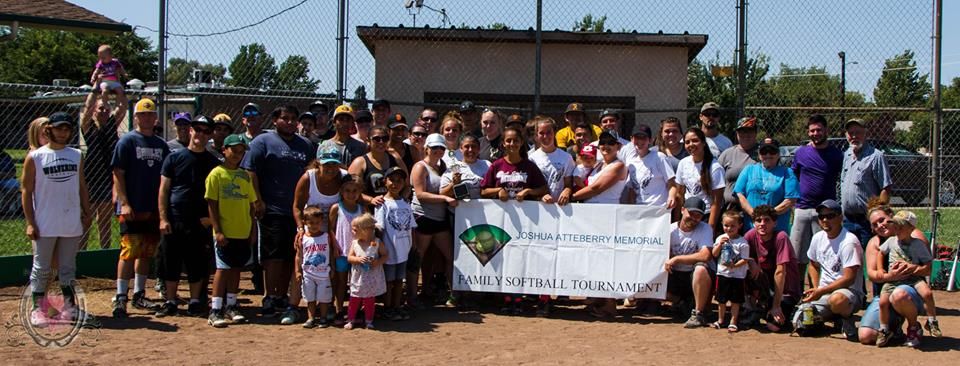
point(631, 71)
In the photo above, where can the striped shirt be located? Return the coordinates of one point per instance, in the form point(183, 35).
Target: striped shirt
point(863, 176)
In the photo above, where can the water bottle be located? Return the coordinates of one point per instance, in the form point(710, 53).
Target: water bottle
point(371, 252)
point(727, 255)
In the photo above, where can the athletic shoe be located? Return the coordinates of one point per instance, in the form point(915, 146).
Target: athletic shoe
point(348, 326)
point(141, 302)
point(451, 301)
point(310, 323)
point(290, 316)
point(849, 329)
point(370, 326)
point(120, 306)
point(196, 309)
point(696, 320)
point(216, 319)
point(933, 326)
point(516, 308)
point(68, 313)
point(393, 314)
point(167, 309)
point(281, 303)
point(267, 308)
point(323, 323)
point(233, 313)
point(883, 337)
point(88, 321)
point(914, 333)
point(543, 310)
point(38, 318)
point(404, 314)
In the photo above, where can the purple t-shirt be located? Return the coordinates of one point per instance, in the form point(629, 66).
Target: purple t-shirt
point(775, 252)
point(818, 171)
point(109, 69)
point(514, 178)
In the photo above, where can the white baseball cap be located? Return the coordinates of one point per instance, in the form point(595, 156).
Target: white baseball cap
point(436, 140)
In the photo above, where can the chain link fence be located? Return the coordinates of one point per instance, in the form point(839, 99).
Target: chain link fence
point(648, 59)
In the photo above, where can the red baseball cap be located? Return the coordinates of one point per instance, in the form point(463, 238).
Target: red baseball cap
point(589, 150)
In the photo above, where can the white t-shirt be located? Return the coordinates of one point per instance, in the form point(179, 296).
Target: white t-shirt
point(688, 175)
point(395, 219)
point(555, 166)
point(470, 174)
point(316, 256)
point(684, 243)
point(648, 178)
point(628, 152)
point(718, 144)
point(452, 157)
point(735, 250)
point(836, 254)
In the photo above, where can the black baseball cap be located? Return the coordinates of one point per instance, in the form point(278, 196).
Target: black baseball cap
point(319, 104)
point(467, 106)
point(61, 118)
point(380, 103)
point(363, 115)
point(201, 120)
point(307, 115)
point(609, 112)
point(251, 109)
point(641, 129)
point(695, 204)
point(398, 121)
point(769, 144)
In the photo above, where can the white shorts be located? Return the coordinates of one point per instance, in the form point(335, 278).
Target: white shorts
point(318, 290)
point(111, 85)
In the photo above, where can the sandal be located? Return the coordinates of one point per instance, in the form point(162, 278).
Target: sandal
point(732, 328)
point(716, 325)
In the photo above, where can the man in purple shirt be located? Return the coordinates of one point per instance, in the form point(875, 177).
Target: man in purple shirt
point(817, 166)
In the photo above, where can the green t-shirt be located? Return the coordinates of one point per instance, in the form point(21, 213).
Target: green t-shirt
point(233, 191)
point(912, 251)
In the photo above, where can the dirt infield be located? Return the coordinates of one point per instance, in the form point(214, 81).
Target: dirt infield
point(446, 336)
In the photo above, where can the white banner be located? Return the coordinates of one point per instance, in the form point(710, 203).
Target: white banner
point(595, 250)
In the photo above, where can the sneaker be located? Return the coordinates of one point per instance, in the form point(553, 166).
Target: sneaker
point(849, 329)
point(120, 306)
point(88, 321)
point(69, 313)
point(216, 319)
point(267, 308)
point(696, 320)
point(914, 333)
point(370, 326)
point(281, 304)
point(883, 337)
point(38, 318)
point(348, 326)
point(394, 315)
point(405, 314)
point(310, 323)
point(543, 310)
point(196, 309)
point(167, 309)
point(290, 316)
point(323, 323)
point(233, 313)
point(933, 326)
point(451, 301)
point(141, 302)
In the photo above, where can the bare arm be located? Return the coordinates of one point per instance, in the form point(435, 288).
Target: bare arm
point(598, 186)
point(813, 270)
point(164, 204)
point(885, 195)
point(779, 282)
point(356, 170)
point(259, 205)
point(418, 178)
point(27, 187)
point(120, 186)
point(744, 204)
point(300, 196)
point(715, 207)
point(785, 206)
point(703, 255)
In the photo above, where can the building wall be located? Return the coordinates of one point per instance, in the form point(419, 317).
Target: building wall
point(655, 76)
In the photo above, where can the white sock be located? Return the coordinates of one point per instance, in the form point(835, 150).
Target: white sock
point(140, 283)
point(123, 286)
point(884, 328)
point(217, 303)
point(231, 299)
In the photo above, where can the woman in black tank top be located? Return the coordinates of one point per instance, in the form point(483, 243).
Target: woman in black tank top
point(370, 169)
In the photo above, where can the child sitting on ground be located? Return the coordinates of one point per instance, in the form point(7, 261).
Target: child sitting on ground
point(313, 266)
point(367, 255)
point(731, 251)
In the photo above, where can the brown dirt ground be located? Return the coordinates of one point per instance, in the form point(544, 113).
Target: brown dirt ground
point(445, 336)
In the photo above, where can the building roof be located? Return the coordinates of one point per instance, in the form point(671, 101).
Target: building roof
point(371, 34)
point(57, 14)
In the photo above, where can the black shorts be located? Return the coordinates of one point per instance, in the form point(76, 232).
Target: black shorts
point(234, 255)
point(188, 247)
point(680, 284)
point(730, 289)
point(414, 261)
point(429, 226)
point(276, 237)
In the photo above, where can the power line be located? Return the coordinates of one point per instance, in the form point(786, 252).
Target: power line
point(230, 30)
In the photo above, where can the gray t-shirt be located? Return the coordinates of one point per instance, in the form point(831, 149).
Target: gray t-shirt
point(862, 177)
point(913, 251)
point(733, 160)
point(348, 151)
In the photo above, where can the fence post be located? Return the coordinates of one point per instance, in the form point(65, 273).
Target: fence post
point(341, 51)
point(741, 56)
point(539, 46)
point(162, 69)
point(937, 126)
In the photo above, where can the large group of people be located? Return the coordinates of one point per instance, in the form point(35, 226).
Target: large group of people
point(336, 206)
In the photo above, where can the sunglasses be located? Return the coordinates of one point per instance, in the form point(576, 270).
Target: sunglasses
point(202, 130)
point(428, 119)
point(768, 152)
point(250, 114)
point(379, 138)
point(434, 148)
point(711, 114)
point(828, 216)
point(419, 134)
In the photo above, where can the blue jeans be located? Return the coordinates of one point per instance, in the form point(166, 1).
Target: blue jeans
point(860, 227)
point(871, 316)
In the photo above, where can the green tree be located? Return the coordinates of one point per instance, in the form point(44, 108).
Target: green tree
point(180, 71)
point(590, 24)
point(901, 84)
point(359, 98)
point(497, 26)
point(253, 67)
point(704, 86)
point(38, 56)
point(293, 75)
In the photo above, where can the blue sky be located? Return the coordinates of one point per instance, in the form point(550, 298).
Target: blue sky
point(797, 33)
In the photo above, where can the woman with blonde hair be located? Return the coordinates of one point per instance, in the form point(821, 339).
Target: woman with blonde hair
point(35, 136)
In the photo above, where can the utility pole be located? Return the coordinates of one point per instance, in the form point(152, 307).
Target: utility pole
point(843, 85)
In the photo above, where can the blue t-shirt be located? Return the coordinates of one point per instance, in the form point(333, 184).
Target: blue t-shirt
point(767, 187)
point(188, 172)
point(140, 157)
point(817, 170)
point(278, 164)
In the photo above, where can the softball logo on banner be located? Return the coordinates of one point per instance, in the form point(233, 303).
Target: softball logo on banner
point(597, 250)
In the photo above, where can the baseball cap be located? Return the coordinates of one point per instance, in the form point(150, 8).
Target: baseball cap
point(695, 204)
point(343, 109)
point(589, 150)
point(854, 121)
point(201, 120)
point(831, 204)
point(307, 115)
point(709, 105)
point(223, 119)
point(904, 217)
point(60, 118)
point(145, 105)
point(328, 155)
point(515, 118)
point(609, 112)
point(748, 122)
point(436, 140)
point(769, 144)
point(232, 140)
point(251, 110)
point(398, 121)
point(394, 170)
point(380, 103)
point(467, 106)
point(642, 129)
point(319, 104)
point(183, 117)
point(363, 115)
point(574, 107)
point(608, 137)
